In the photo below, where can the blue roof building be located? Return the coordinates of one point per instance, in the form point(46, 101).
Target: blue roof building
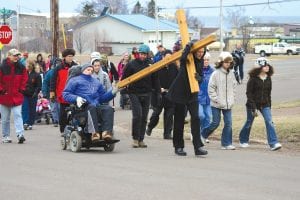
point(119, 33)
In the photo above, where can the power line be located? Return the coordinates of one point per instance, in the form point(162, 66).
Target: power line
point(235, 5)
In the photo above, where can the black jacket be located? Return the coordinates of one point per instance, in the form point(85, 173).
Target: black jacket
point(145, 85)
point(33, 85)
point(167, 75)
point(259, 93)
point(179, 91)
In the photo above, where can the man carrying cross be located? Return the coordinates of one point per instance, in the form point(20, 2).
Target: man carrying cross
point(180, 93)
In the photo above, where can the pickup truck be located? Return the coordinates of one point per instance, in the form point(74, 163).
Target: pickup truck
point(276, 48)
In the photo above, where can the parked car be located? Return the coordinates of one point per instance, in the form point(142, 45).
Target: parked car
point(276, 48)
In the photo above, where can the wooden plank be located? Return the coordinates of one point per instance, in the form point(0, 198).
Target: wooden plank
point(185, 38)
point(163, 63)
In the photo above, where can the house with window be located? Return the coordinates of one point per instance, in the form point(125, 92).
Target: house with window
point(117, 34)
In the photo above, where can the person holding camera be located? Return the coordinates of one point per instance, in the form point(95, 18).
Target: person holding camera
point(258, 92)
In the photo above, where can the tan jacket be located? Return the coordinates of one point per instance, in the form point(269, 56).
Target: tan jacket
point(222, 89)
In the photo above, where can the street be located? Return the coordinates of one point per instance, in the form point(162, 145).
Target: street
point(40, 170)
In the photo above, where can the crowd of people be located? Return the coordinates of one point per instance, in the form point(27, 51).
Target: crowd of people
point(23, 82)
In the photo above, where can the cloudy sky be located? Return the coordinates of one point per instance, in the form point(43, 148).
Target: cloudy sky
point(281, 9)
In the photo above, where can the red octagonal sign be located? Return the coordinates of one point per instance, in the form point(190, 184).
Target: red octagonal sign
point(5, 34)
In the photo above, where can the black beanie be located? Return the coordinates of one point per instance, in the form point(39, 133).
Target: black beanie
point(67, 52)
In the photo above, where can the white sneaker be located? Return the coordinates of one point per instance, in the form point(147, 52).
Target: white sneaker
point(204, 140)
point(244, 145)
point(6, 139)
point(276, 147)
point(229, 147)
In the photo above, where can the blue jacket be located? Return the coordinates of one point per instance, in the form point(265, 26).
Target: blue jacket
point(203, 97)
point(46, 83)
point(88, 88)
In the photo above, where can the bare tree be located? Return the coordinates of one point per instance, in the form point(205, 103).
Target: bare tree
point(115, 6)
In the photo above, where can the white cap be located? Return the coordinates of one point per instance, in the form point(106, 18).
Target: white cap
point(95, 54)
point(225, 56)
point(207, 56)
point(260, 62)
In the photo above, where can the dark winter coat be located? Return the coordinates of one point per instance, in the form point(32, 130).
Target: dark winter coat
point(111, 70)
point(259, 93)
point(146, 84)
point(46, 83)
point(13, 78)
point(59, 80)
point(180, 91)
point(167, 75)
point(33, 85)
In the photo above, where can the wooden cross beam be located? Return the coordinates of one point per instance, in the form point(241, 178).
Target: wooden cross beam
point(185, 38)
point(176, 56)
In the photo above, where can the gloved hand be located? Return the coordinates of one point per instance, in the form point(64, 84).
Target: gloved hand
point(186, 52)
point(254, 113)
point(115, 90)
point(198, 77)
point(35, 95)
point(80, 101)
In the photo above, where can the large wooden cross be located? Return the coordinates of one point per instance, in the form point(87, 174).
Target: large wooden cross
point(175, 56)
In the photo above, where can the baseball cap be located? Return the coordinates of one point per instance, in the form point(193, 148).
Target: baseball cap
point(13, 52)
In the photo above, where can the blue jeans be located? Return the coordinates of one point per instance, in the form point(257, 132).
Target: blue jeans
point(18, 121)
point(55, 111)
point(226, 138)
point(29, 110)
point(271, 133)
point(204, 115)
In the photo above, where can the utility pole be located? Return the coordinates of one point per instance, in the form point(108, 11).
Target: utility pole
point(18, 26)
point(54, 27)
point(157, 22)
point(221, 26)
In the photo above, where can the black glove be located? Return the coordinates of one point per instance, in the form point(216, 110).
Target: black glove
point(198, 77)
point(186, 52)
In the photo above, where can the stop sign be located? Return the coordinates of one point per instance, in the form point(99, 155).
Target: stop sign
point(5, 34)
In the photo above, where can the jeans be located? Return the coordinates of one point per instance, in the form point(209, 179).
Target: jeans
point(271, 133)
point(179, 116)
point(140, 107)
point(103, 114)
point(226, 138)
point(205, 115)
point(18, 121)
point(55, 111)
point(241, 71)
point(29, 110)
point(168, 116)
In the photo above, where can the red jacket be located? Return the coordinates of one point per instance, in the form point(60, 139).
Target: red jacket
point(59, 80)
point(13, 78)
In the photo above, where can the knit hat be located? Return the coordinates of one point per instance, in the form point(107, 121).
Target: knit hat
point(68, 52)
point(225, 56)
point(85, 66)
point(261, 62)
point(13, 52)
point(207, 56)
point(95, 54)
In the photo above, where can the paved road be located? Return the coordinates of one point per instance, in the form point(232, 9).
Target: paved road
point(39, 170)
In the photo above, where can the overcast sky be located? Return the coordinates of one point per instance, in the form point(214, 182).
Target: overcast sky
point(281, 9)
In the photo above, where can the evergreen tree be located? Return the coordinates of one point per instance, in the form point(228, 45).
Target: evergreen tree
point(151, 9)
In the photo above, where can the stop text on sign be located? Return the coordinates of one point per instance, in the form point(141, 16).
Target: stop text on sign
point(5, 35)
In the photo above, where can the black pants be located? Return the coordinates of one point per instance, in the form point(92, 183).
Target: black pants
point(179, 116)
point(63, 118)
point(168, 116)
point(140, 107)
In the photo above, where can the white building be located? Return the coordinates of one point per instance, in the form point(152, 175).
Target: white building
point(119, 33)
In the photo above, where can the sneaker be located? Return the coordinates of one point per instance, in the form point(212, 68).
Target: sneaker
point(21, 139)
point(6, 139)
point(29, 127)
point(244, 145)
point(106, 135)
point(204, 140)
point(148, 131)
point(229, 147)
point(180, 152)
point(135, 144)
point(142, 144)
point(25, 126)
point(275, 147)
